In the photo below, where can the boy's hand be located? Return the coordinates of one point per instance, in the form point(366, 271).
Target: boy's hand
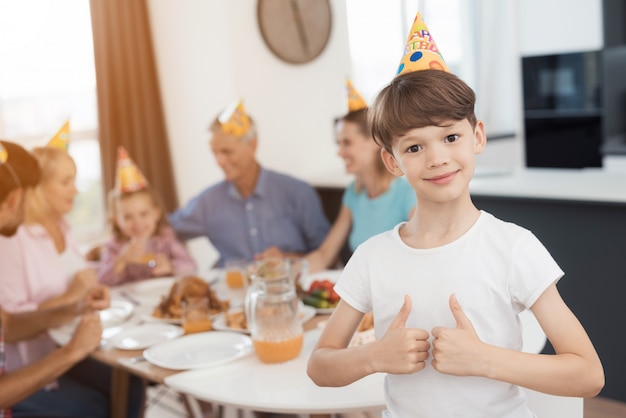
point(457, 351)
point(402, 350)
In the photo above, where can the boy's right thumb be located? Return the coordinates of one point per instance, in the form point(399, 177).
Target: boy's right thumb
point(400, 320)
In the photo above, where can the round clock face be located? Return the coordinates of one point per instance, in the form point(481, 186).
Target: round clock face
point(296, 31)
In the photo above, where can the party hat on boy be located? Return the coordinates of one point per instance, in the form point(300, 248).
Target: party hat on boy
point(421, 51)
point(355, 100)
point(62, 138)
point(128, 177)
point(234, 120)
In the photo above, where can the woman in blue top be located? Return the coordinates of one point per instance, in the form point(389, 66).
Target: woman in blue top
point(373, 203)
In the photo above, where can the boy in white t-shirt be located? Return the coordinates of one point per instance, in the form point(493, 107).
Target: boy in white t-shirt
point(447, 286)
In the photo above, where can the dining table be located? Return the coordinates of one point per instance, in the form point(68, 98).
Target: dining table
point(125, 362)
point(244, 384)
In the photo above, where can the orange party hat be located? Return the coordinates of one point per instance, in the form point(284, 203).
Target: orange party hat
point(355, 100)
point(62, 138)
point(4, 154)
point(234, 120)
point(128, 177)
point(421, 52)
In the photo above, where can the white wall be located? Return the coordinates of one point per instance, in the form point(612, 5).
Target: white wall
point(210, 53)
point(557, 26)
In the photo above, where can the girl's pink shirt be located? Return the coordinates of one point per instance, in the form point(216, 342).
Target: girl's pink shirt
point(165, 242)
point(31, 272)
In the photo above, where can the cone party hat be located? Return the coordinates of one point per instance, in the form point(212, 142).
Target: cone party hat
point(421, 51)
point(128, 177)
point(355, 100)
point(4, 154)
point(62, 138)
point(234, 120)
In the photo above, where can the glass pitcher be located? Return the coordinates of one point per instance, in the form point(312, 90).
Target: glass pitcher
point(272, 311)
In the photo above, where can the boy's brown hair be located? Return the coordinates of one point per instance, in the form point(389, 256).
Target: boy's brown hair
point(418, 99)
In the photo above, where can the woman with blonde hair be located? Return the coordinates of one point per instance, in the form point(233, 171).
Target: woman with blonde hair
point(41, 267)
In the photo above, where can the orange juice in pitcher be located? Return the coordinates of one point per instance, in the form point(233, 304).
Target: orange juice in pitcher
point(278, 351)
point(272, 312)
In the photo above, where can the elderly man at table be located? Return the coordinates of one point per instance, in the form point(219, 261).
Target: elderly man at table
point(253, 208)
point(18, 171)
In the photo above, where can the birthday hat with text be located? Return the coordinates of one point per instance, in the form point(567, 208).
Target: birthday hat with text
point(234, 120)
point(421, 51)
point(61, 139)
point(128, 177)
point(355, 100)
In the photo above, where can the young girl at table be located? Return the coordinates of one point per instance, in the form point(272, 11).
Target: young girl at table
point(143, 244)
point(446, 288)
point(41, 267)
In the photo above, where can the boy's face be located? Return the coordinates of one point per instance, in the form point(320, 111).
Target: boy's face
point(438, 161)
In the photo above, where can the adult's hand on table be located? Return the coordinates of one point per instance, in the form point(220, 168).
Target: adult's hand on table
point(97, 298)
point(87, 336)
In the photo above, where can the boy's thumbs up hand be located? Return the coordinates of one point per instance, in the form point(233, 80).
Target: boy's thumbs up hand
point(401, 350)
point(399, 321)
point(456, 351)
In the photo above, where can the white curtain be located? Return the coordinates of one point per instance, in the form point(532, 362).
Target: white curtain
point(497, 67)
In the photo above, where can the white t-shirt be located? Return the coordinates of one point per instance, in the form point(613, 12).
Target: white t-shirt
point(496, 269)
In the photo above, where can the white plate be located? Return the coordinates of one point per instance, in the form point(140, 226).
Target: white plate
point(116, 313)
point(219, 322)
point(113, 321)
point(143, 336)
point(332, 275)
point(205, 349)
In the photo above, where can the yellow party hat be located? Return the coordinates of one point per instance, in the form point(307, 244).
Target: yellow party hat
point(4, 154)
point(62, 138)
point(355, 101)
point(234, 120)
point(128, 177)
point(421, 52)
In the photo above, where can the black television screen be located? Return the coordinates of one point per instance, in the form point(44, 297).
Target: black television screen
point(562, 81)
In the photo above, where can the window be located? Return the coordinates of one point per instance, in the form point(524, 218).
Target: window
point(378, 31)
point(47, 76)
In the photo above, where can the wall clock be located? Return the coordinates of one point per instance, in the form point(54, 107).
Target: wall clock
point(296, 31)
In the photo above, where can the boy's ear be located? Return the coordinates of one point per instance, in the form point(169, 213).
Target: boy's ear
point(390, 163)
point(479, 137)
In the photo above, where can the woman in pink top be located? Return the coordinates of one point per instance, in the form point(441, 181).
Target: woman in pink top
point(41, 267)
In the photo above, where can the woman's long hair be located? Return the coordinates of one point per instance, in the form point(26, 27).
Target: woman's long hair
point(36, 206)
